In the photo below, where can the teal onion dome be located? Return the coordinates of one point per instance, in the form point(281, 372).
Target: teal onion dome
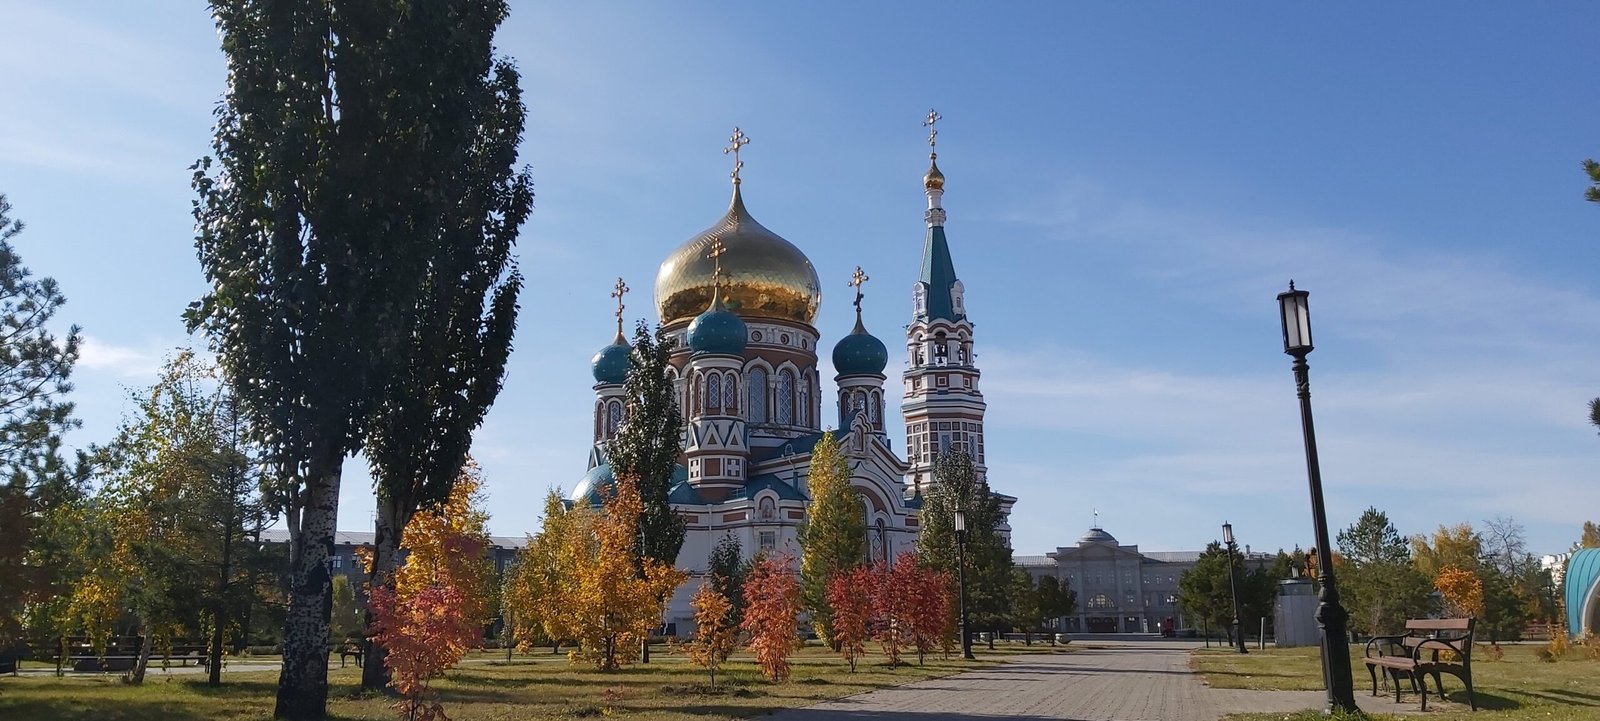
point(611, 364)
point(599, 481)
point(717, 330)
point(860, 353)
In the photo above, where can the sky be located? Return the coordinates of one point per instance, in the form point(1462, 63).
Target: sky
point(1129, 187)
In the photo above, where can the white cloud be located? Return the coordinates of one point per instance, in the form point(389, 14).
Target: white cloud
point(118, 360)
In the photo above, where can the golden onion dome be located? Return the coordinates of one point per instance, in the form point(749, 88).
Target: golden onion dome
point(934, 180)
point(764, 275)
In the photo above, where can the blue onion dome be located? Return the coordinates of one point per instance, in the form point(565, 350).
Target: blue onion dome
point(611, 364)
point(860, 353)
point(717, 330)
point(589, 490)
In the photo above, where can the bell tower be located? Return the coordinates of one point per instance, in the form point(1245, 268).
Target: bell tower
point(943, 407)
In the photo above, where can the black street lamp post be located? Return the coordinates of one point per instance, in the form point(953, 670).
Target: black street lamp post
point(961, 573)
point(1233, 585)
point(1295, 313)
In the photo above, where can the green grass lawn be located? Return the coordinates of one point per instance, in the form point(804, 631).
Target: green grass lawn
point(486, 687)
point(1516, 688)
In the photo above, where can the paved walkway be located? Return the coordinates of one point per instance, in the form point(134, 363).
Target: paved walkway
point(1106, 682)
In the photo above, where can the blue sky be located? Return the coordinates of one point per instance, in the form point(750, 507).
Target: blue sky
point(1130, 185)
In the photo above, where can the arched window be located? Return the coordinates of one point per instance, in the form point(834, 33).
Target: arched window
point(613, 418)
point(919, 298)
point(756, 386)
point(803, 406)
point(730, 394)
point(882, 529)
point(713, 392)
point(785, 397)
point(873, 405)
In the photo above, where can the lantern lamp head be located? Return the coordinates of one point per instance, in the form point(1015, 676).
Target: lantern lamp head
point(1295, 312)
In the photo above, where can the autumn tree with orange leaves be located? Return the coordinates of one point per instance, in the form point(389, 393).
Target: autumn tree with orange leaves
point(852, 610)
point(441, 597)
point(715, 636)
point(771, 614)
point(1462, 591)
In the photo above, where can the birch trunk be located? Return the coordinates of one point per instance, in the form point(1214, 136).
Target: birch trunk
point(136, 676)
point(303, 682)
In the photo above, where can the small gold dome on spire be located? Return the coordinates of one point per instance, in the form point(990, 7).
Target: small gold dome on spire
point(934, 180)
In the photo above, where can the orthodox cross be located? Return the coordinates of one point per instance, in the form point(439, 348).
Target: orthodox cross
point(933, 132)
point(856, 279)
point(620, 290)
point(1096, 518)
point(717, 249)
point(735, 142)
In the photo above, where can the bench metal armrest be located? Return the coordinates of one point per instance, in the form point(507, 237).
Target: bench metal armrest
point(1375, 640)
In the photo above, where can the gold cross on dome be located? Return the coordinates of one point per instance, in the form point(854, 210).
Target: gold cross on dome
point(856, 280)
point(717, 249)
point(735, 142)
point(620, 290)
point(933, 132)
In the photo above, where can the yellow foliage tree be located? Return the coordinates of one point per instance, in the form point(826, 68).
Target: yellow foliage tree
point(429, 537)
point(1462, 591)
point(585, 580)
point(1457, 546)
point(714, 637)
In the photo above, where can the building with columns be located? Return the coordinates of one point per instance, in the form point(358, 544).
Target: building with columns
point(741, 302)
point(1120, 588)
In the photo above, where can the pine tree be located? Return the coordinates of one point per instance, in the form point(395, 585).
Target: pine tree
point(34, 367)
point(1380, 578)
point(834, 537)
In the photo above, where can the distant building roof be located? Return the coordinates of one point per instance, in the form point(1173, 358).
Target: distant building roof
point(1033, 561)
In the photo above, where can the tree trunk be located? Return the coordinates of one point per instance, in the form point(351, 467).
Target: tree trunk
point(219, 613)
point(385, 559)
point(136, 676)
point(303, 682)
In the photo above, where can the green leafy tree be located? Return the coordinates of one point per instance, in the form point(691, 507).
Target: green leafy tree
point(34, 367)
point(988, 554)
point(340, 145)
point(834, 537)
point(1384, 586)
point(646, 446)
point(1056, 600)
point(728, 571)
point(466, 313)
point(1203, 589)
point(1027, 610)
point(347, 623)
point(1591, 535)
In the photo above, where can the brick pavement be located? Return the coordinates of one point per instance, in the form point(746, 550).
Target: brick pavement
point(1143, 681)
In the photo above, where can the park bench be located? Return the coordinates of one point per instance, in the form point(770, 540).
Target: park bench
point(1430, 646)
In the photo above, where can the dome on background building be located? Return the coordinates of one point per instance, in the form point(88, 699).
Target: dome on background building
point(611, 364)
point(859, 353)
point(717, 330)
point(1096, 535)
point(588, 489)
point(766, 276)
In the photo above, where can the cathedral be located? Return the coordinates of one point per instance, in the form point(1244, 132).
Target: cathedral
point(741, 303)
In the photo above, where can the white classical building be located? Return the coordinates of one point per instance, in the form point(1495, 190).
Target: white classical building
point(741, 301)
point(1120, 588)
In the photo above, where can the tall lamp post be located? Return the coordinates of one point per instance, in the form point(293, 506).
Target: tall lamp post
point(961, 573)
point(1295, 313)
point(1233, 585)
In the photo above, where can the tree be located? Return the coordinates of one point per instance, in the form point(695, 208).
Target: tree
point(343, 147)
point(930, 604)
point(851, 612)
point(1592, 169)
point(728, 571)
point(346, 622)
point(1591, 535)
point(34, 367)
point(439, 600)
point(834, 536)
point(1457, 546)
point(547, 572)
point(1026, 609)
point(1056, 600)
point(646, 446)
point(1203, 589)
point(714, 637)
point(890, 622)
point(988, 553)
point(1462, 591)
point(771, 615)
point(1380, 579)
